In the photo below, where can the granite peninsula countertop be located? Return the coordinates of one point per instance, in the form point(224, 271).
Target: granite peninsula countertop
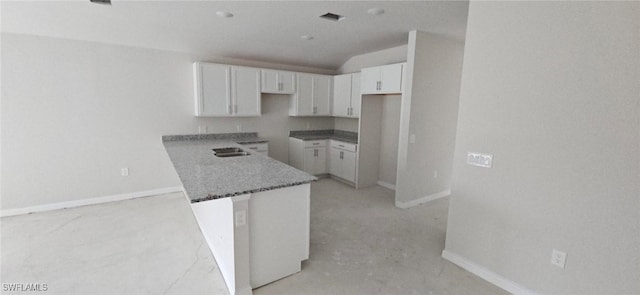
point(346, 136)
point(207, 177)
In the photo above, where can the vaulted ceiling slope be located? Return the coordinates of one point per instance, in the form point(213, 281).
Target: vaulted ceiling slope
point(259, 30)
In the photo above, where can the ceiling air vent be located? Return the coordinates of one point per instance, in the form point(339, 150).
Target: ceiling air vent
point(107, 2)
point(332, 16)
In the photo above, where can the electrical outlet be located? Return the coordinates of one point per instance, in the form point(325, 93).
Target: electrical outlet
point(412, 138)
point(435, 174)
point(124, 171)
point(558, 258)
point(308, 126)
point(241, 218)
point(202, 129)
point(239, 127)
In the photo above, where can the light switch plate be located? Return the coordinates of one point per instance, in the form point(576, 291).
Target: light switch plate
point(480, 160)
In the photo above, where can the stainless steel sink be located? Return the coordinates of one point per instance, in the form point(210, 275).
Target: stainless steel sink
point(229, 152)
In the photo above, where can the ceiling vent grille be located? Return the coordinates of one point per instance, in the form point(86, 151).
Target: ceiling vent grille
point(332, 16)
point(106, 2)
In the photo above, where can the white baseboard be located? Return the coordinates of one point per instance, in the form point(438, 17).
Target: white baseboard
point(387, 185)
point(91, 201)
point(416, 202)
point(486, 274)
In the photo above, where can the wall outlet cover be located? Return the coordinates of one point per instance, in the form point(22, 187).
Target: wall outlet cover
point(558, 258)
point(241, 217)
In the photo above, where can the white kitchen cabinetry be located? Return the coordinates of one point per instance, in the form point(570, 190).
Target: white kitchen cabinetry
point(281, 82)
point(342, 160)
point(313, 96)
point(382, 79)
point(261, 147)
point(346, 95)
point(315, 160)
point(308, 155)
point(226, 91)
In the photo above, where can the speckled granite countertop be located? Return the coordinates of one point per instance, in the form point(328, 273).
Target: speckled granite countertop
point(346, 136)
point(207, 177)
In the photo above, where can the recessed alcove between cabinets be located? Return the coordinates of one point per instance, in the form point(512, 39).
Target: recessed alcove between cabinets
point(379, 128)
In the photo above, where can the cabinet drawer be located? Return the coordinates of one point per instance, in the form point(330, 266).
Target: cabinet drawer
point(343, 145)
point(315, 143)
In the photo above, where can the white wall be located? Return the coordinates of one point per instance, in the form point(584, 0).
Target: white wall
point(382, 57)
point(390, 125)
point(74, 113)
point(429, 109)
point(346, 124)
point(551, 90)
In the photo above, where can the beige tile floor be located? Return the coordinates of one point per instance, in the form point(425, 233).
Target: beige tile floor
point(360, 244)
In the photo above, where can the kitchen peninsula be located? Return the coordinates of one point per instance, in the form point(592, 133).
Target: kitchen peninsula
point(252, 210)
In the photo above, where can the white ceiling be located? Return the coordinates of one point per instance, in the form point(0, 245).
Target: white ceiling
point(260, 30)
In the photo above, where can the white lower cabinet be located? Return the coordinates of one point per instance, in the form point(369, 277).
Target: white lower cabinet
point(316, 157)
point(342, 160)
point(308, 155)
point(315, 160)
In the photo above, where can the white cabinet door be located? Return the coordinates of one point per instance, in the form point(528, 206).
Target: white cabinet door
point(343, 164)
point(212, 89)
point(356, 97)
point(246, 91)
point(382, 80)
point(369, 80)
point(315, 160)
point(312, 97)
point(322, 95)
point(302, 102)
point(335, 163)
point(270, 83)
point(349, 166)
point(282, 82)
point(287, 82)
point(296, 153)
point(224, 91)
point(391, 78)
point(342, 95)
point(342, 160)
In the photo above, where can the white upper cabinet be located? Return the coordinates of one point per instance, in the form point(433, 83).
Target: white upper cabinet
point(346, 95)
point(341, 95)
point(245, 92)
point(313, 96)
point(382, 79)
point(212, 89)
point(224, 91)
point(282, 82)
point(322, 95)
